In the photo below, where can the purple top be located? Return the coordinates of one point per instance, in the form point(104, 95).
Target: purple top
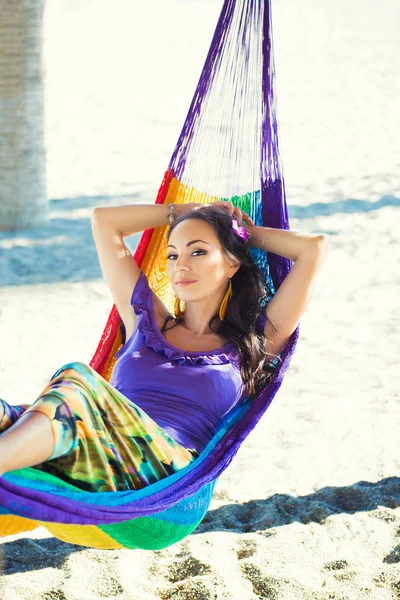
point(186, 393)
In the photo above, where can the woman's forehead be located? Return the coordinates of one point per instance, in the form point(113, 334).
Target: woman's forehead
point(193, 229)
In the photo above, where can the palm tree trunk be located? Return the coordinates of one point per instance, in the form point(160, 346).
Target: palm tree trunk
point(23, 198)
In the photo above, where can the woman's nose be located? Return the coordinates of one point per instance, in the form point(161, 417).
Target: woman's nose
point(181, 263)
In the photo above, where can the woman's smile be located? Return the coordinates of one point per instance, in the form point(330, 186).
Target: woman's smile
point(185, 282)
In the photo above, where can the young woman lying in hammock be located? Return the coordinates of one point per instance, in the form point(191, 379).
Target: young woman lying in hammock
point(176, 375)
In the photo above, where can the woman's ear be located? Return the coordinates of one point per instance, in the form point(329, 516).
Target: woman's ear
point(234, 268)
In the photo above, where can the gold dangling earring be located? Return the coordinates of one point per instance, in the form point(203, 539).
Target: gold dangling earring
point(225, 300)
point(177, 308)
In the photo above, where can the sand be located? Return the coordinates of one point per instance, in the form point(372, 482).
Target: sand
point(309, 508)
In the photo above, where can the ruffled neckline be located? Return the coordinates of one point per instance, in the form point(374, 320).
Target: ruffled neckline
point(155, 340)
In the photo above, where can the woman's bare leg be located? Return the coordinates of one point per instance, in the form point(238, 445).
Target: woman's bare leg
point(28, 442)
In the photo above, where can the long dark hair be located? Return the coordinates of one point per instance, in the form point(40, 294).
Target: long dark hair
point(248, 289)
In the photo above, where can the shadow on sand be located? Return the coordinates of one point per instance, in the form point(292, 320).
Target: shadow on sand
point(257, 516)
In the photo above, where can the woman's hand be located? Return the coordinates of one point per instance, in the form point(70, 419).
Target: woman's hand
point(233, 211)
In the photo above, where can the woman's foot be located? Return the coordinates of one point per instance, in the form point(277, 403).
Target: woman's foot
point(2, 411)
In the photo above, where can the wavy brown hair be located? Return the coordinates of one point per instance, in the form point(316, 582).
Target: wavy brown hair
point(248, 289)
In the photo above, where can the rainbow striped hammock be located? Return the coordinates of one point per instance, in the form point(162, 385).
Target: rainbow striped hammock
point(228, 149)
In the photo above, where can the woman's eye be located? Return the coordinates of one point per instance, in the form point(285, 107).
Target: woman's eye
point(171, 256)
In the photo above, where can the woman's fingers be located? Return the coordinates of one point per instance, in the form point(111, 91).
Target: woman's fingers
point(238, 214)
point(234, 211)
point(227, 206)
point(248, 219)
point(243, 217)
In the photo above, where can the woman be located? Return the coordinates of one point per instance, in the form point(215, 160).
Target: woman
point(176, 375)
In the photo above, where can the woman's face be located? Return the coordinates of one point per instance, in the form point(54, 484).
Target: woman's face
point(194, 253)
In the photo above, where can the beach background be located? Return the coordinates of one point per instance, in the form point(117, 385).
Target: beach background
point(309, 508)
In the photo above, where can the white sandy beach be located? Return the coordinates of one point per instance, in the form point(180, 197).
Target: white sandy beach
point(310, 507)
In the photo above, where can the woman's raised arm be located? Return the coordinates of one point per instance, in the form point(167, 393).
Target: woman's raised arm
point(308, 252)
point(134, 218)
point(109, 227)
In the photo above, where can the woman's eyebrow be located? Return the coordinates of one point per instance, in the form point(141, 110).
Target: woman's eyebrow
point(189, 243)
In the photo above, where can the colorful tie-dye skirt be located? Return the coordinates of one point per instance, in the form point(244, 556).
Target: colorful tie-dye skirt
point(102, 440)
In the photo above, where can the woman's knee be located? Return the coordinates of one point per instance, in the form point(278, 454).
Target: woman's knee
point(78, 367)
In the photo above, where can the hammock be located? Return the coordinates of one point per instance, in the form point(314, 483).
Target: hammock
point(227, 150)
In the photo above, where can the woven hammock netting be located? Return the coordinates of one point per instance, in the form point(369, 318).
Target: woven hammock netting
point(227, 150)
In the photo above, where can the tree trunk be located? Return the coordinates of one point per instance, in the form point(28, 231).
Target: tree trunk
point(23, 198)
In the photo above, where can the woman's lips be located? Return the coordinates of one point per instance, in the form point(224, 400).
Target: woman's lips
point(184, 282)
